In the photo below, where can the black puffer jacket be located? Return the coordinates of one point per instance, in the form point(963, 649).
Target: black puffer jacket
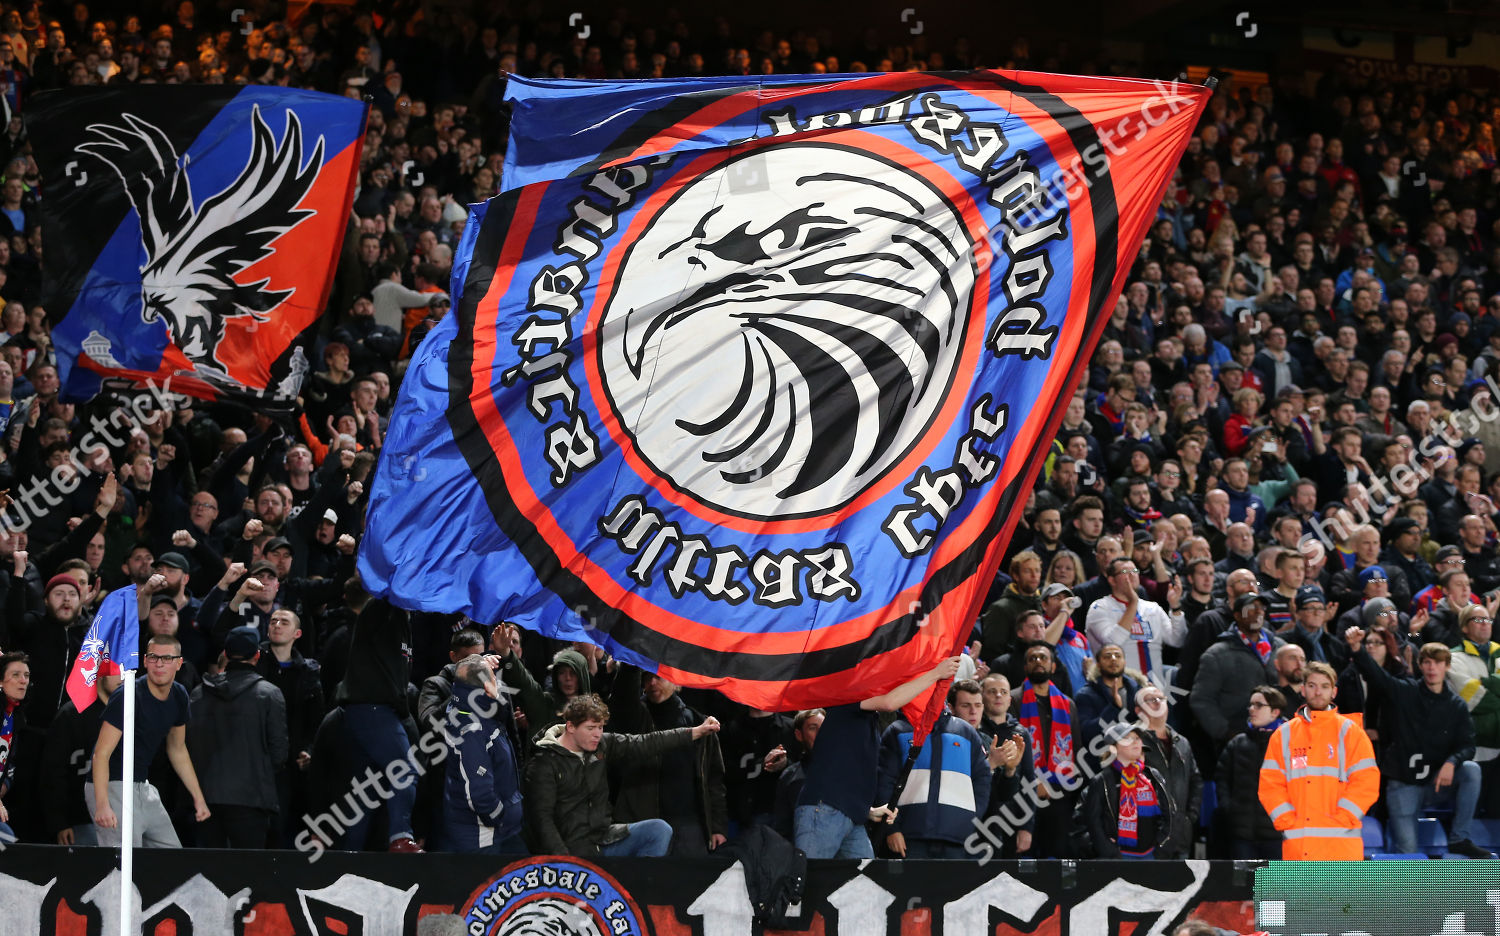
point(237, 737)
point(567, 795)
point(1238, 780)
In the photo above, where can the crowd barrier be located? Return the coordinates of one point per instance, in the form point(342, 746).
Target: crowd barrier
point(75, 892)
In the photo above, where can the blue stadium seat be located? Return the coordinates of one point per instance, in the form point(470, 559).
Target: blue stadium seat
point(1388, 856)
point(1210, 804)
point(1374, 836)
point(1486, 833)
point(1431, 838)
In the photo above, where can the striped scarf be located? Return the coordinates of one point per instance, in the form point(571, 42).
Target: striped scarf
point(7, 731)
point(1137, 799)
point(1260, 645)
point(1055, 757)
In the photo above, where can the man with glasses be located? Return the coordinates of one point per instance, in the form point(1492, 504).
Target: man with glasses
point(198, 539)
point(1309, 630)
point(1474, 674)
point(1373, 585)
point(1428, 752)
point(1142, 627)
point(161, 717)
point(1448, 558)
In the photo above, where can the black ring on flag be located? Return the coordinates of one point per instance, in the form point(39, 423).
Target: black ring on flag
point(711, 662)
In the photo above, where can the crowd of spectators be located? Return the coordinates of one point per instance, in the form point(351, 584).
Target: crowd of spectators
point(1283, 463)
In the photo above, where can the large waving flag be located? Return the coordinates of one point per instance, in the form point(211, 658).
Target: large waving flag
point(111, 645)
point(192, 233)
point(748, 381)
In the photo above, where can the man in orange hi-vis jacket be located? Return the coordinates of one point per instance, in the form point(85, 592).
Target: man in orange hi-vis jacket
point(1319, 776)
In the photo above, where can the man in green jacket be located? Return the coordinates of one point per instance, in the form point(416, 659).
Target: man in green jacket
point(998, 624)
point(567, 802)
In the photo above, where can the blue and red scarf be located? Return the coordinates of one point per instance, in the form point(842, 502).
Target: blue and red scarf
point(1260, 645)
point(1072, 638)
point(7, 731)
point(1054, 757)
point(1137, 799)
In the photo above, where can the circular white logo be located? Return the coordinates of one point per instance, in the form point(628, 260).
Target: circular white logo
point(787, 328)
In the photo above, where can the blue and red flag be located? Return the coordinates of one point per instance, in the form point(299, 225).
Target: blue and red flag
point(748, 379)
point(192, 233)
point(111, 646)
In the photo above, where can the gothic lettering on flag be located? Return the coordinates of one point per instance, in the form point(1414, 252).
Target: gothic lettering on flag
point(747, 381)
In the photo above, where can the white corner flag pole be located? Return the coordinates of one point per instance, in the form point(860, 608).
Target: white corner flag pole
point(127, 810)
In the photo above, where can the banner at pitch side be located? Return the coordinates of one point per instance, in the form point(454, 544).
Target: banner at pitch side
point(748, 381)
point(50, 891)
point(192, 233)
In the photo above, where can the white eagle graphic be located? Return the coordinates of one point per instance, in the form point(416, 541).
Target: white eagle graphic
point(192, 255)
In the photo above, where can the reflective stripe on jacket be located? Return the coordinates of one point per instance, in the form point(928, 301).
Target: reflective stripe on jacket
point(1318, 779)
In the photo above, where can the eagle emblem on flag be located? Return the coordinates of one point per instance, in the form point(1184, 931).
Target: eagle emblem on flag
point(193, 255)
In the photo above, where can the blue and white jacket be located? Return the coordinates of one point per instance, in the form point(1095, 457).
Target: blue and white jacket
point(482, 789)
point(949, 784)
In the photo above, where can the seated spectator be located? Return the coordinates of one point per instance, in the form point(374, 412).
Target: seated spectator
point(1432, 734)
point(1252, 834)
point(566, 791)
point(1474, 675)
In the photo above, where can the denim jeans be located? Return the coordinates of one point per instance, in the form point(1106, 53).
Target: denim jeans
point(824, 832)
point(649, 838)
point(377, 740)
point(1403, 801)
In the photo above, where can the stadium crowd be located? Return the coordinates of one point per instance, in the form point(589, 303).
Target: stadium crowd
point(1273, 495)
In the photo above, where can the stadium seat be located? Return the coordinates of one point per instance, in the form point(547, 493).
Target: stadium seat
point(1392, 856)
point(1486, 833)
point(1210, 803)
point(1374, 836)
point(1431, 838)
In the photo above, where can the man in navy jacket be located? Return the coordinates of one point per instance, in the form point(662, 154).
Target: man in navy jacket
point(482, 790)
point(948, 788)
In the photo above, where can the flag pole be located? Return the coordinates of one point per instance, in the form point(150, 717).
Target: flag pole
point(127, 808)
